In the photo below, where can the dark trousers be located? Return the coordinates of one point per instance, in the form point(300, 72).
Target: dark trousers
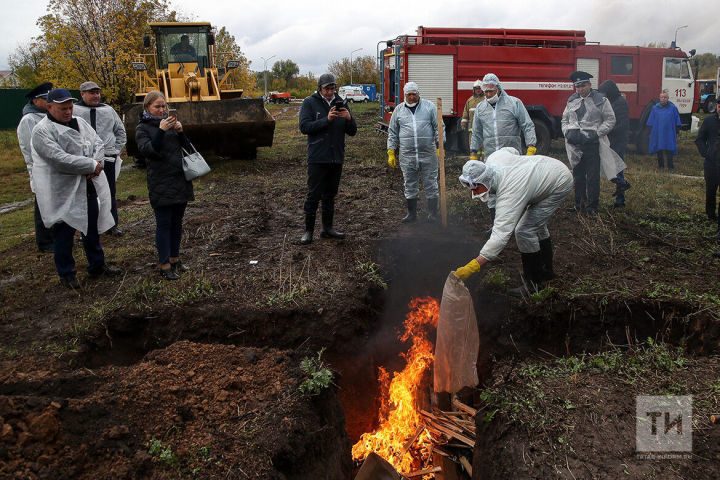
point(168, 231)
point(587, 178)
point(323, 182)
point(64, 236)
point(109, 169)
point(669, 156)
point(712, 183)
point(43, 235)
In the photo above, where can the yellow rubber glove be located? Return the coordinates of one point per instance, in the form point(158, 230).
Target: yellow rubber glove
point(463, 273)
point(391, 158)
point(437, 152)
point(473, 156)
point(531, 151)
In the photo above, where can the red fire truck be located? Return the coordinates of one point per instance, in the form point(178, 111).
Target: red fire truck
point(535, 66)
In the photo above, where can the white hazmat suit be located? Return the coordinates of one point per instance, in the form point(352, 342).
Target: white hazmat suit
point(528, 190)
point(63, 157)
point(501, 125)
point(416, 137)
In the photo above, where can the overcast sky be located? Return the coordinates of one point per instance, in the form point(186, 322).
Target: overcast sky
point(312, 34)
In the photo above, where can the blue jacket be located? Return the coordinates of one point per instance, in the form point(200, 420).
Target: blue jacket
point(665, 122)
point(326, 140)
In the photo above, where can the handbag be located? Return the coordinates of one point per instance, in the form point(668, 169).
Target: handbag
point(194, 165)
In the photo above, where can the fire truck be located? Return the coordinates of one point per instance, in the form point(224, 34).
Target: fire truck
point(535, 66)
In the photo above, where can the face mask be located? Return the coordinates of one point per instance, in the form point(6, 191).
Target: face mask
point(493, 100)
point(482, 196)
point(411, 104)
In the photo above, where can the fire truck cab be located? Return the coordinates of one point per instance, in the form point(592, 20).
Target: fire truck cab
point(535, 66)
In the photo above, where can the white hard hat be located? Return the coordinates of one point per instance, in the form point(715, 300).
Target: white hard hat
point(477, 84)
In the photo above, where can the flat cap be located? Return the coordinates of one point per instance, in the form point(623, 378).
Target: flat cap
point(86, 86)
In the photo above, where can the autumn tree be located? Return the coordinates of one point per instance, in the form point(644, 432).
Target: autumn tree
point(26, 65)
point(96, 40)
point(364, 70)
point(226, 48)
point(707, 65)
point(285, 70)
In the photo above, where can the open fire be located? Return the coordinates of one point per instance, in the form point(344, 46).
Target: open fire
point(400, 439)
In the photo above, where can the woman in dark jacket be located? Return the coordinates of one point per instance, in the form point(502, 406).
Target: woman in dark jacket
point(160, 140)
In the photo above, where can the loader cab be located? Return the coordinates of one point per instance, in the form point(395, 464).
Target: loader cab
point(185, 44)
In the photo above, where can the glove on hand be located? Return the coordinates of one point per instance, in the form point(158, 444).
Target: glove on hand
point(574, 137)
point(391, 158)
point(531, 150)
point(463, 273)
point(473, 156)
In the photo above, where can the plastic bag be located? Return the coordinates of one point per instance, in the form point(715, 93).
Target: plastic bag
point(458, 342)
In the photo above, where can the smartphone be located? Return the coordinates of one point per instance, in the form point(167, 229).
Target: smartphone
point(172, 112)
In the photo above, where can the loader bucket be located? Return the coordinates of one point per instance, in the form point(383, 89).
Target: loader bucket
point(233, 127)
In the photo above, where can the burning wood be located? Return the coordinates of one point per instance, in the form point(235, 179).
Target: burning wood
point(399, 414)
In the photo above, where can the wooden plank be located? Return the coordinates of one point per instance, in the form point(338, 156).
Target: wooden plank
point(455, 435)
point(465, 408)
point(420, 473)
point(441, 164)
point(466, 464)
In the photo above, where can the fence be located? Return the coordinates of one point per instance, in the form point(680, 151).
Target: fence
point(12, 101)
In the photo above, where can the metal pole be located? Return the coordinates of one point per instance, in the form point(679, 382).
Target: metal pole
point(265, 74)
point(351, 66)
point(676, 30)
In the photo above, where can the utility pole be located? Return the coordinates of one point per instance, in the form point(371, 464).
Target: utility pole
point(351, 66)
point(265, 75)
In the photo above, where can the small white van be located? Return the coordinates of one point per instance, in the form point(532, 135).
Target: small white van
point(353, 94)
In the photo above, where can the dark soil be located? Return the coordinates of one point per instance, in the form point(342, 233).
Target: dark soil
point(206, 370)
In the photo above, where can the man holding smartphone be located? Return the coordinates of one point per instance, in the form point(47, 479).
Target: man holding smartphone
point(325, 120)
point(106, 122)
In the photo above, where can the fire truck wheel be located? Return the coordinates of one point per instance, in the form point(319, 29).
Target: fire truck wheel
point(542, 132)
point(643, 141)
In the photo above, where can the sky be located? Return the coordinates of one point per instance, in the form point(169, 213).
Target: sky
point(315, 34)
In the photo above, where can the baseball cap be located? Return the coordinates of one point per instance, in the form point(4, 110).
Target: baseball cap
point(89, 86)
point(59, 95)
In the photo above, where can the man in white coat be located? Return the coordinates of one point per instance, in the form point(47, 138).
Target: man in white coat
point(106, 122)
point(33, 112)
point(527, 190)
point(70, 185)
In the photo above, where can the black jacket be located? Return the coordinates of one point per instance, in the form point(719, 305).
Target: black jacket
point(162, 151)
point(326, 140)
point(707, 141)
point(618, 136)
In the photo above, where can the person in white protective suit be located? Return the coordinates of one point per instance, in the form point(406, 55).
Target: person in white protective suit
point(71, 188)
point(110, 128)
point(499, 121)
point(413, 131)
point(528, 190)
point(33, 112)
point(586, 122)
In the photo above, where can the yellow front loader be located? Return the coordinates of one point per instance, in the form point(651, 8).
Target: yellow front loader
point(184, 66)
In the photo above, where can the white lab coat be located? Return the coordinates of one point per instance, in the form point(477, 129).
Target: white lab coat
point(107, 125)
point(528, 190)
point(24, 134)
point(598, 117)
point(62, 159)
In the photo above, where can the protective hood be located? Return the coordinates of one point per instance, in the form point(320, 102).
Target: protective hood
point(609, 89)
point(476, 173)
point(493, 79)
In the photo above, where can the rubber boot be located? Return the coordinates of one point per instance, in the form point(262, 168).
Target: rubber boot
point(432, 210)
point(546, 252)
point(411, 211)
point(327, 221)
point(309, 227)
point(532, 272)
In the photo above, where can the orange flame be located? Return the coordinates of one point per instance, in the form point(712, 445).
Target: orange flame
point(399, 412)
